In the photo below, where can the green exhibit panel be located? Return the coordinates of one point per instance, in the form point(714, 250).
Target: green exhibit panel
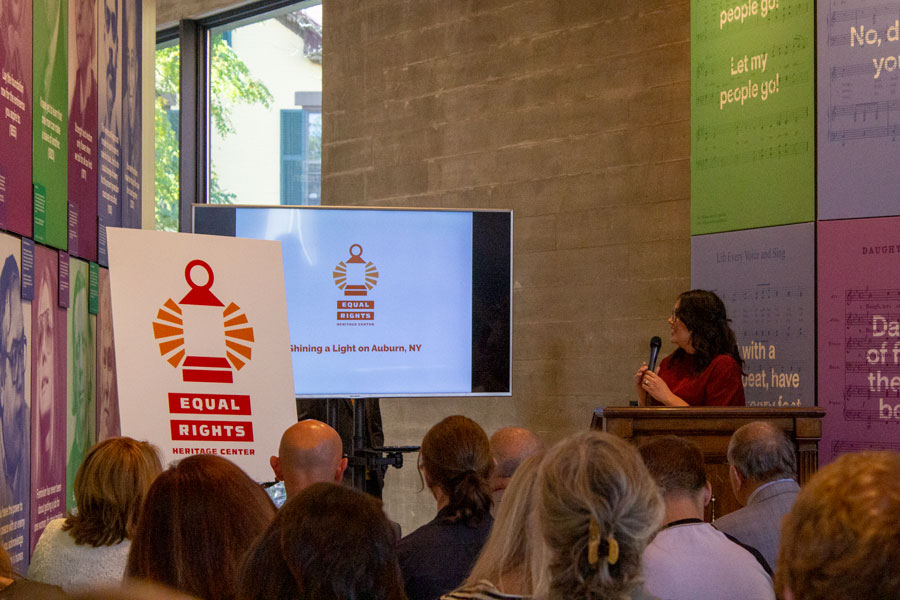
point(50, 123)
point(752, 114)
point(81, 408)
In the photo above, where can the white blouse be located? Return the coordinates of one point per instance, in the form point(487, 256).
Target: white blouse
point(59, 561)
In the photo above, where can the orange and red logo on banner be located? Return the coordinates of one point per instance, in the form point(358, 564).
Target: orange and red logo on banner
point(169, 331)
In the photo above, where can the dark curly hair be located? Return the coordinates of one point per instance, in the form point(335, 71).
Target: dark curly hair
point(703, 314)
point(328, 542)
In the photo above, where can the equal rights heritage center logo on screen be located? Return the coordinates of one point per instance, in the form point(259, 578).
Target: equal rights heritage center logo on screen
point(355, 277)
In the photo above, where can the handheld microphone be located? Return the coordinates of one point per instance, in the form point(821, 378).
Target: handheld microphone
point(655, 345)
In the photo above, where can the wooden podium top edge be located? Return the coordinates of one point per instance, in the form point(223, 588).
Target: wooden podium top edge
point(668, 412)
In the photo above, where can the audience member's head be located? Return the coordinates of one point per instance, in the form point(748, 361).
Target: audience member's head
point(456, 460)
point(597, 508)
point(198, 520)
point(759, 453)
point(310, 452)
point(510, 446)
point(505, 559)
point(110, 487)
point(676, 465)
point(842, 537)
point(327, 542)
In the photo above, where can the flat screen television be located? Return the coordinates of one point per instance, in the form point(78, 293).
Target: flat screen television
point(388, 302)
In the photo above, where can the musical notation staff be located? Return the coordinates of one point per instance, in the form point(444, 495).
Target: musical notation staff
point(865, 415)
point(852, 70)
point(770, 153)
point(863, 109)
point(869, 380)
point(866, 368)
point(845, 446)
point(769, 314)
point(760, 292)
point(793, 115)
point(868, 294)
point(844, 135)
point(853, 343)
point(863, 14)
point(866, 319)
point(856, 392)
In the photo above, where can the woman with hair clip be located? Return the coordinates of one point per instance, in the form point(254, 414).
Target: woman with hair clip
point(706, 369)
point(455, 460)
point(503, 569)
point(90, 546)
point(596, 509)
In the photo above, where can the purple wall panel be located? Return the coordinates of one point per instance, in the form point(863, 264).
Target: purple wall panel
point(766, 279)
point(858, 103)
point(859, 335)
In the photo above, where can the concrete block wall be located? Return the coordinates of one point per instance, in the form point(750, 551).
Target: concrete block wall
point(169, 12)
point(573, 113)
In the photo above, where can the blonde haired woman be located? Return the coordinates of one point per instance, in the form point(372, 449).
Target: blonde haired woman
point(503, 568)
point(90, 546)
point(597, 507)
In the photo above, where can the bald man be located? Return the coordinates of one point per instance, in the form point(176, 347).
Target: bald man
point(310, 452)
point(510, 446)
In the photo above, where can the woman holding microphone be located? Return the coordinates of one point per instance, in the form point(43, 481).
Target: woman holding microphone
point(706, 368)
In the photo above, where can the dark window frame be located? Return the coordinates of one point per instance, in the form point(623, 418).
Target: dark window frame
point(193, 36)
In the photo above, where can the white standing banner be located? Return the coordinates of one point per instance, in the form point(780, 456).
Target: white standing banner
point(202, 345)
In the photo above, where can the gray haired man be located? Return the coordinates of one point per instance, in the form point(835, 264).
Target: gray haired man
point(763, 467)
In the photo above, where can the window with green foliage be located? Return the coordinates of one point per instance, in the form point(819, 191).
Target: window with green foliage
point(268, 66)
point(168, 63)
point(261, 72)
point(231, 85)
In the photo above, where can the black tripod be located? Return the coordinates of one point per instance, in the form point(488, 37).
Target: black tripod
point(365, 462)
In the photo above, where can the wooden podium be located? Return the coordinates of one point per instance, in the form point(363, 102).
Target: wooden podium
point(711, 428)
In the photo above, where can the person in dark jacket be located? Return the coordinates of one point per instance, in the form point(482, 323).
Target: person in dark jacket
point(456, 463)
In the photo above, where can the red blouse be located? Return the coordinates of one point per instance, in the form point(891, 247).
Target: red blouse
point(719, 384)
